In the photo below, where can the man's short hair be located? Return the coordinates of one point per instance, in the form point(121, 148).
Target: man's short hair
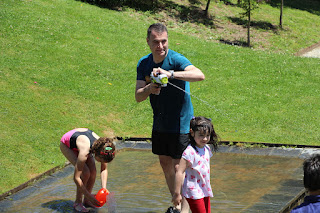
point(311, 169)
point(158, 27)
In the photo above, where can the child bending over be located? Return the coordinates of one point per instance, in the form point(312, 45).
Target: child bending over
point(82, 147)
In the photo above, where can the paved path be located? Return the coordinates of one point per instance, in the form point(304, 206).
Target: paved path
point(311, 52)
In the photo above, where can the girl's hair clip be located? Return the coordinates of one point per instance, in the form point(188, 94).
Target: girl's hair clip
point(108, 148)
point(193, 117)
point(103, 153)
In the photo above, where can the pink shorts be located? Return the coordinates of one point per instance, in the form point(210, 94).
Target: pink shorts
point(66, 137)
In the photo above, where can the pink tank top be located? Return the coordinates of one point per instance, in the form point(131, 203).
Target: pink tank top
point(66, 137)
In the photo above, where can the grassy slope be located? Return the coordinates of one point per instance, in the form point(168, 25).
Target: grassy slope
point(301, 21)
point(68, 64)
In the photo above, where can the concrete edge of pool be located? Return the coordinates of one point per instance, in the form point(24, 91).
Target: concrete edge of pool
point(275, 150)
point(247, 148)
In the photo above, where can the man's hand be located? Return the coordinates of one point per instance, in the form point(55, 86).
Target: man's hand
point(159, 70)
point(155, 88)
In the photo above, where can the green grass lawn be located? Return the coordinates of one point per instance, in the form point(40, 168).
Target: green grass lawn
point(67, 64)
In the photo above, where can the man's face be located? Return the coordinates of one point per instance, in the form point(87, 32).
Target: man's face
point(158, 43)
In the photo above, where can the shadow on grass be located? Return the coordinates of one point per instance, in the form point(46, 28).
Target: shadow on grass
point(312, 6)
point(181, 13)
point(255, 24)
point(194, 13)
point(235, 43)
point(228, 2)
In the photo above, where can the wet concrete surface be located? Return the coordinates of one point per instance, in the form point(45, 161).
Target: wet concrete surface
point(243, 180)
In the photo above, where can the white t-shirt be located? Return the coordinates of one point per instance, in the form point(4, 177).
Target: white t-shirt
point(197, 182)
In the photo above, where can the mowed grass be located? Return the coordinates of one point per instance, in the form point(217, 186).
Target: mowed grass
point(67, 64)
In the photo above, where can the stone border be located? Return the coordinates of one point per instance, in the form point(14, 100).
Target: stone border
point(243, 147)
point(251, 148)
point(31, 181)
point(136, 139)
point(294, 202)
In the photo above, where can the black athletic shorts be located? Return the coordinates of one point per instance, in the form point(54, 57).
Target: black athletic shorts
point(169, 144)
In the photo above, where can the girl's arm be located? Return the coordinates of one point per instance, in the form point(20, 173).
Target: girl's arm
point(176, 198)
point(104, 175)
point(78, 172)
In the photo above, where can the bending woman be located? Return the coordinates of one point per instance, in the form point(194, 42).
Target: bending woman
point(81, 147)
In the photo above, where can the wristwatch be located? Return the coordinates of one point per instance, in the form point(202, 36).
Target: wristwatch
point(172, 76)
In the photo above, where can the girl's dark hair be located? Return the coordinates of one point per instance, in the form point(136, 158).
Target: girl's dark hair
point(203, 124)
point(104, 149)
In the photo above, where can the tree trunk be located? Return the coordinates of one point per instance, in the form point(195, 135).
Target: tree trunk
point(281, 12)
point(249, 22)
point(207, 8)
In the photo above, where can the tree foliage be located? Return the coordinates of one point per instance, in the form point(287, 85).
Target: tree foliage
point(249, 6)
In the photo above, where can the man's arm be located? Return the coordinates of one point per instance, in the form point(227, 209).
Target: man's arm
point(190, 73)
point(143, 90)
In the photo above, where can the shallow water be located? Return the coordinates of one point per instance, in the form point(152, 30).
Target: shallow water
point(241, 183)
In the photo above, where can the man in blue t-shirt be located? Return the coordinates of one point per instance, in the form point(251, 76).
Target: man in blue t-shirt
point(311, 181)
point(172, 107)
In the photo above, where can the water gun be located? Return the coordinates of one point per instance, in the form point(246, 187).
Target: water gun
point(101, 196)
point(161, 79)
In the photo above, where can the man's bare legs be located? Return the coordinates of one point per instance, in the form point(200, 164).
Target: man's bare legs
point(169, 166)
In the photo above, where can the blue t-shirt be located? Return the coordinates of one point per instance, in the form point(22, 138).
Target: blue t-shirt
point(172, 108)
point(311, 204)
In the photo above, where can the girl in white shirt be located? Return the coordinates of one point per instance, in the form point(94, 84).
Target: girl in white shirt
point(195, 163)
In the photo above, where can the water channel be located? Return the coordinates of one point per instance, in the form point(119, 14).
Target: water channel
point(241, 183)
